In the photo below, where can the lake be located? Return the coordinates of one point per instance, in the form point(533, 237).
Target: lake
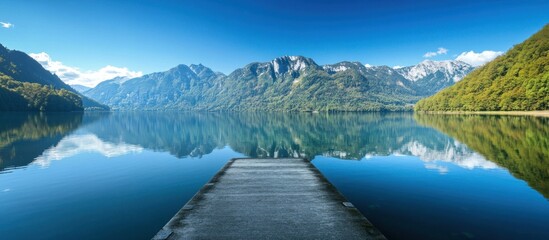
point(123, 175)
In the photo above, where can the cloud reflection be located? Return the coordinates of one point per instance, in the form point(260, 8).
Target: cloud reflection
point(455, 153)
point(86, 143)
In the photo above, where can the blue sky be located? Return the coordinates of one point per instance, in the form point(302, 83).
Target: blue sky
point(149, 36)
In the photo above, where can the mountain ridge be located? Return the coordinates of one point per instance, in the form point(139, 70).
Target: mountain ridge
point(287, 83)
point(28, 77)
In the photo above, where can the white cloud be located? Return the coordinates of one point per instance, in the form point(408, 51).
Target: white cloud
point(477, 59)
point(440, 51)
point(397, 67)
point(73, 75)
point(6, 25)
point(368, 65)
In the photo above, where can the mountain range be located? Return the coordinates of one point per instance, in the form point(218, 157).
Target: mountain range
point(518, 80)
point(26, 86)
point(289, 83)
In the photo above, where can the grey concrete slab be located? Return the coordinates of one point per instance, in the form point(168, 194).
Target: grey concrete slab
point(268, 199)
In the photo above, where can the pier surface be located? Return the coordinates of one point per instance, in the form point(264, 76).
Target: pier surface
point(268, 199)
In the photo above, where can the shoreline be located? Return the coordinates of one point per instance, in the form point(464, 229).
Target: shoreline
point(544, 113)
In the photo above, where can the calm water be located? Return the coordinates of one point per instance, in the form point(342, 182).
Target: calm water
point(124, 175)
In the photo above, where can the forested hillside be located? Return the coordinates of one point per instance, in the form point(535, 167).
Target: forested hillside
point(516, 81)
point(24, 96)
point(26, 86)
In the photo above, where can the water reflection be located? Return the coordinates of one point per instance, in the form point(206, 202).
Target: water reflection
point(453, 152)
point(520, 144)
point(25, 136)
point(346, 136)
point(84, 143)
point(108, 170)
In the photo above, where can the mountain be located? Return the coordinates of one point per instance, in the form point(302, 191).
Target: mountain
point(289, 83)
point(23, 96)
point(22, 88)
point(178, 88)
point(36, 88)
point(516, 81)
point(295, 83)
point(80, 88)
point(431, 76)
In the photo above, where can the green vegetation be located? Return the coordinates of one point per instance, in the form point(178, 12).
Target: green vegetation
point(516, 81)
point(23, 96)
point(519, 144)
point(26, 86)
point(312, 90)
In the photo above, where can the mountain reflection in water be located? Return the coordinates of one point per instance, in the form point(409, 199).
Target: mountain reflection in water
point(392, 166)
point(519, 144)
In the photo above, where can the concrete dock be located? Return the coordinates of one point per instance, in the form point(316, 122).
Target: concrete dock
point(268, 199)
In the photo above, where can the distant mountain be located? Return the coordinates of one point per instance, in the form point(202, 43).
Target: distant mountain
point(26, 85)
point(289, 83)
point(516, 81)
point(80, 88)
point(295, 83)
point(430, 77)
point(181, 87)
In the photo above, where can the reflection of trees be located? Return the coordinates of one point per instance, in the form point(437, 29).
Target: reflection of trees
point(520, 144)
point(25, 136)
point(349, 135)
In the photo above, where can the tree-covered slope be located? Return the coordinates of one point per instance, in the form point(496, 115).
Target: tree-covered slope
point(24, 96)
point(44, 91)
point(516, 81)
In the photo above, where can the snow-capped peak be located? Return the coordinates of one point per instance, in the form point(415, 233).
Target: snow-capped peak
point(454, 70)
point(343, 66)
point(338, 68)
point(290, 63)
point(197, 68)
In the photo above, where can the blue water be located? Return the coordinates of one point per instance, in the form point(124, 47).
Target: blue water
point(124, 175)
point(427, 204)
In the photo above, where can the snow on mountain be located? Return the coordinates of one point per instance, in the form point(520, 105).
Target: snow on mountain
point(339, 68)
point(452, 70)
point(343, 66)
point(286, 64)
